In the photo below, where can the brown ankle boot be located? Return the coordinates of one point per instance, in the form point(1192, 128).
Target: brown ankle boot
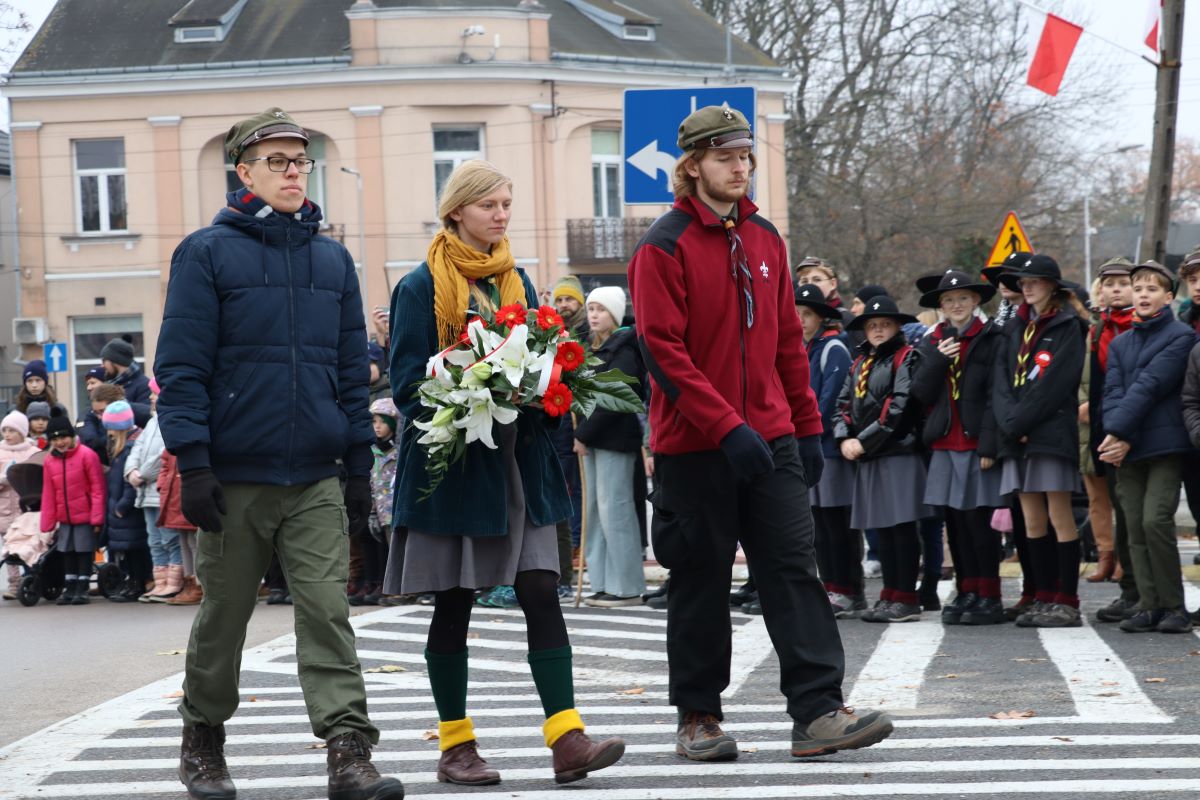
point(1104, 567)
point(1118, 571)
point(462, 764)
point(202, 763)
point(575, 755)
point(352, 776)
point(191, 594)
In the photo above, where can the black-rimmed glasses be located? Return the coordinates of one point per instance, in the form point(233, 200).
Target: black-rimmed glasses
point(280, 163)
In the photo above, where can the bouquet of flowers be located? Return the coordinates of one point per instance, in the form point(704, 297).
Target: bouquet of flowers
point(516, 359)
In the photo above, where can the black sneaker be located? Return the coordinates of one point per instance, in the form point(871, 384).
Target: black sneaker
point(871, 613)
point(277, 597)
point(952, 612)
point(1175, 621)
point(1144, 621)
point(700, 738)
point(1025, 620)
point(742, 596)
point(840, 729)
point(753, 608)
point(987, 611)
point(1120, 609)
point(899, 612)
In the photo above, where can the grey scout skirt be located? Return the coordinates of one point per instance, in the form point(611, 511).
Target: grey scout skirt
point(1039, 473)
point(889, 491)
point(956, 480)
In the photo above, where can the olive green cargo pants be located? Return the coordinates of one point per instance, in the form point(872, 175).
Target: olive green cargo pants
point(1149, 492)
point(306, 525)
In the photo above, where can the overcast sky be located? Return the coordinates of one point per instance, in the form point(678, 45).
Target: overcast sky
point(1120, 21)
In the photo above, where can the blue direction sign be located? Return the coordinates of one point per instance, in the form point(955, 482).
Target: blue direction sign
point(55, 356)
point(651, 126)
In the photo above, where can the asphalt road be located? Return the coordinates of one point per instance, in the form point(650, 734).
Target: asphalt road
point(1095, 712)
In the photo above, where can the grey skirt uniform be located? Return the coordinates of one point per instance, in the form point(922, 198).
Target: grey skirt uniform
point(889, 491)
point(75, 539)
point(436, 562)
point(1039, 473)
point(956, 480)
point(836, 487)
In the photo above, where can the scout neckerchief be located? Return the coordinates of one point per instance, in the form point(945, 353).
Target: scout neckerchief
point(860, 383)
point(1113, 322)
point(1033, 326)
point(739, 267)
point(954, 376)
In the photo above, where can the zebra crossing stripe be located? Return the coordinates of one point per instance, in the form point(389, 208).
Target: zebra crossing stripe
point(893, 675)
point(521, 646)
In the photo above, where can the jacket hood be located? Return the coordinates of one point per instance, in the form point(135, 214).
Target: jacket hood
point(271, 227)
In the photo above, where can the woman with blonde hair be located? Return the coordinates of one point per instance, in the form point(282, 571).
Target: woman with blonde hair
point(492, 520)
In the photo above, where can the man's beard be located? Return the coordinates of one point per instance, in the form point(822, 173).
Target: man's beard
point(723, 195)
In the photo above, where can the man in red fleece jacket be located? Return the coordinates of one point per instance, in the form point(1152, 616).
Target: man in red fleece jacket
point(736, 435)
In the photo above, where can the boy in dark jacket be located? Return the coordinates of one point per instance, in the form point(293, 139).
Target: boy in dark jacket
point(1189, 275)
point(1143, 415)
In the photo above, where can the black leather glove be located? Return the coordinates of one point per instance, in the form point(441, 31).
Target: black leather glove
point(747, 452)
point(358, 503)
point(202, 499)
point(811, 458)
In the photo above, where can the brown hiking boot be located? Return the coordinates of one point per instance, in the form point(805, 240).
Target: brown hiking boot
point(191, 594)
point(352, 776)
point(462, 764)
point(202, 763)
point(575, 755)
point(700, 738)
point(840, 729)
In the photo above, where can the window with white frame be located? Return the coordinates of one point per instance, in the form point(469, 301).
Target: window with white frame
point(451, 147)
point(316, 180)
point(606, 173)
point(88, 337)
point(100, 183)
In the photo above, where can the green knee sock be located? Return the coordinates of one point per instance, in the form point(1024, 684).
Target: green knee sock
point(448, 680)
point(552, 676)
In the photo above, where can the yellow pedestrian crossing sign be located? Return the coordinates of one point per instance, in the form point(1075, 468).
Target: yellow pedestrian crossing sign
point(1012, 239)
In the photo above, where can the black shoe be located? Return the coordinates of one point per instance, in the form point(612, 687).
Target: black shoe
point(870, 614)
point(754, 607)
point(1018, 608)
point(80, 598)
point(1025, 620)
point(952, 612)
point(743, 595)
point(277, 597)
point(1195, 617)
point(202, 763)
point(986, 611)
point(1175, 621)
point(70, 590)
point(352, 776)
point(1144, 621)
point(927, 595)
point(1120, 609)
point(661, 591)
point(130, 592)
point(658, 601)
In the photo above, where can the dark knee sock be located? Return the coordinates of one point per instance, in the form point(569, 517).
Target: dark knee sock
point(537, 592)
point(83, 565)
point(1045, 571)
point(1068, 554)
point(552, 675)
point(1021, 541)
point(887, 563)
point(908, 561)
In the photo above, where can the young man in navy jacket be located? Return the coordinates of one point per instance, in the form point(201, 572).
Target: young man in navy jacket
point(262, 361)
point(736, 436)
point(1146, 439)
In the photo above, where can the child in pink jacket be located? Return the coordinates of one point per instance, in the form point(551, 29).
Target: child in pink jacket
point(73, 502)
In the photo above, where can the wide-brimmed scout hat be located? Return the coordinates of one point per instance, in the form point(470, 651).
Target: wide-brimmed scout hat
point(714, 127)
point(954, 280)
point(880, 306)
point(1011, 263)
point(809, 296)
point(274, 123)
point(1036, 266)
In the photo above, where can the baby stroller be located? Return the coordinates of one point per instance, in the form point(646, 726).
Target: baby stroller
point(26, 545)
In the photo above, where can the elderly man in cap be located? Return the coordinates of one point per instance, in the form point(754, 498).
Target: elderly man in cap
point(262, 362)
point(736, 435)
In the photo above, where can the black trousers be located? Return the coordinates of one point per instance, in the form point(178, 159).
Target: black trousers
point(700, 514)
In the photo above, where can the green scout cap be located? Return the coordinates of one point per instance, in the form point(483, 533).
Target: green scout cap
point(274, 123)
point(715, 127)
point(1116, 266)
point(1153, 266)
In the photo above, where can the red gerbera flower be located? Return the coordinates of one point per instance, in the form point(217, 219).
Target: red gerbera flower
point(569, 355)
point(547, 318)
point(511, 315)
point(557, 399)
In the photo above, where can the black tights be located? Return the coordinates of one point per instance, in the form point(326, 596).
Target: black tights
point(537, 592)
point(839, 549)
point(900, 551)
point(78, 563)
point(976, 547)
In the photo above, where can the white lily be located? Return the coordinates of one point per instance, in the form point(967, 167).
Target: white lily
point(510, 356)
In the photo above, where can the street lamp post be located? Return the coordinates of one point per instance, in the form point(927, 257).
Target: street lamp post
point(1087, 212)
point(362, 232)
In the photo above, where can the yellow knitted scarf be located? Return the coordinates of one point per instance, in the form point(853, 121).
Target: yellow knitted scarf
point(452, 262)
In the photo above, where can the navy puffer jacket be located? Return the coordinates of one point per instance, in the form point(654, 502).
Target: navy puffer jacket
point(126, 524)
point(828, 365)
point(1144, 384)
point(262, 356)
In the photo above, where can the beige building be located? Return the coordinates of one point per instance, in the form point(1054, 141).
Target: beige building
point(119, 109)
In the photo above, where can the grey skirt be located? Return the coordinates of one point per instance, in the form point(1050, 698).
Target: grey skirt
point(836, 487)
point(435, 562)
point(956, 480)
point(889, 491)
point(75, 539)
point(1039, 473)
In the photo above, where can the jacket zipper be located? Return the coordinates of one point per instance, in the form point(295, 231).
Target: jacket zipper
point(291, 348)
point(737, 299)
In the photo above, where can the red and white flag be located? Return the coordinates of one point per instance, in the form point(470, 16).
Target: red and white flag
point(1053, 53)
point(1150, 29)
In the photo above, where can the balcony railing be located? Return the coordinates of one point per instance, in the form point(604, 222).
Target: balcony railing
point(599, 240)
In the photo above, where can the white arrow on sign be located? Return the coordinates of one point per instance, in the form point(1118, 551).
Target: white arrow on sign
point(650, 160)
point(55, 357)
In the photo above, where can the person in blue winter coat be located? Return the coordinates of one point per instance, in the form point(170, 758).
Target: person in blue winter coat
point(839, 549)
point(120, 369)
point(1146, 442)
point(125, 524)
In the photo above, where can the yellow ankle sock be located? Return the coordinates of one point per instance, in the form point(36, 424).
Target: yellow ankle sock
point(455, 732)
point(554, 727)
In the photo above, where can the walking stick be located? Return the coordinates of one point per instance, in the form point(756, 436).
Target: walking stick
point(583, 526)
